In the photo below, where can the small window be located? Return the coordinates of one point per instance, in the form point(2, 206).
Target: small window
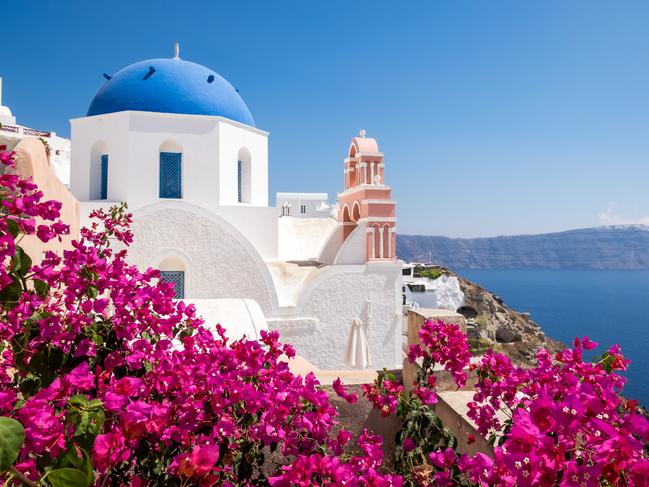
point(103, 190)
point(417, 288)
point(407, 271)
point(177, 278)
point(170, 175)
point(303, 209)
point(239, 182)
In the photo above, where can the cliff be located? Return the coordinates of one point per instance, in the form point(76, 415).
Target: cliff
point(611, 247)
point(502, 328)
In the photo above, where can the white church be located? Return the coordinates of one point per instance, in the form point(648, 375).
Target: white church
point(177, 142)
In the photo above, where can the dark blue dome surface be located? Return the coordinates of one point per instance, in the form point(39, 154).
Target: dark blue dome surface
point(170, 86)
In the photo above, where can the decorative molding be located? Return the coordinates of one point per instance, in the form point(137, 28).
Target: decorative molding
point(379, 202)
point(377, 219)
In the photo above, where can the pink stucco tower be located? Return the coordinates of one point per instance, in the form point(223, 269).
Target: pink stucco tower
point(367, 201)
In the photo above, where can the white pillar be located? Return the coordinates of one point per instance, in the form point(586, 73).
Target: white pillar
point(381, 232)
point(373, 242)
point(371, 173)
point(389, 243)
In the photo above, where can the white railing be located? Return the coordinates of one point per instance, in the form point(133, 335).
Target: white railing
point(25, 131)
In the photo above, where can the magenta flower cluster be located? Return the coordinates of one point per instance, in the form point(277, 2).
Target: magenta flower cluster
point(113, 382)
point(563, 422)
point(117, 383)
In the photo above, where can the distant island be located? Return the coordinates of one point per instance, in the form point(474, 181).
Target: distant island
point(609, 247)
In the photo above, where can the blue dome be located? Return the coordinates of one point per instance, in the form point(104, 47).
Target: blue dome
point(170, 86)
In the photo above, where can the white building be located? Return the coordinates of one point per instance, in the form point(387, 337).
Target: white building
point(176, 142)
point(58, 147)
point(304, 205)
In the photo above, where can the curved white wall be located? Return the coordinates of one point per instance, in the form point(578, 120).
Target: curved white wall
point(220, 262)
point(354, 248)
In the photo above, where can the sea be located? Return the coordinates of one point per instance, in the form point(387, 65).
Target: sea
point(609, 306)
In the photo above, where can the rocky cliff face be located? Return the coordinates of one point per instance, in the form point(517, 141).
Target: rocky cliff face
point(509, 331)
point(612, 247)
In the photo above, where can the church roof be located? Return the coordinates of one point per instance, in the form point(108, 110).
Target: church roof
point(170, 86)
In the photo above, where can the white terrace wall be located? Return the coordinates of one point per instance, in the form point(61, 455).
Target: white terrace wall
point(320, 324)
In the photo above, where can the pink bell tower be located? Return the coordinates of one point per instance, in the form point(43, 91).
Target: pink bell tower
point(367, 200)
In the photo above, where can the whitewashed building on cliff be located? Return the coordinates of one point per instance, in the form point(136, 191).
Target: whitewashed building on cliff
point(175, 141)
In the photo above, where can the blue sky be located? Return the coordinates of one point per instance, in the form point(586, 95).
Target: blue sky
point(495, 117)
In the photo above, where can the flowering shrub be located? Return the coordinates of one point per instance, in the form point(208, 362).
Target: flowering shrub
point(105, 379)
point(441, 345)
point(565, 422)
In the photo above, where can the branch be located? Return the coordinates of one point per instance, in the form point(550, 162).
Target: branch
point(16, 473)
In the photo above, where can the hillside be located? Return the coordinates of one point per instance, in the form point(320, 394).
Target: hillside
point(611, 247)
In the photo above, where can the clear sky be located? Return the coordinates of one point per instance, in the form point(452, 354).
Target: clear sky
point(495, 117)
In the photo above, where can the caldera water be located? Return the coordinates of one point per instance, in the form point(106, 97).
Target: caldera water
point(610, 306)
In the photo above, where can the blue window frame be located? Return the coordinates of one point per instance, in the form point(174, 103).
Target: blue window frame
point(170, 175)
point(239, 183)
point(177, 278)
point(103, 189)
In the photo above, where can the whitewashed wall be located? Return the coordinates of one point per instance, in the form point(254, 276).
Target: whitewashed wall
point(319, 325)
point(219, 261)
point(303, 238)
point(132, 140)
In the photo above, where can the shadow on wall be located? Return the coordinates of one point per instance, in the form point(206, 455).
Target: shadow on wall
point(32, 162)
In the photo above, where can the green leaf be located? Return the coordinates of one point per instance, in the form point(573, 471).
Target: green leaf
point(67, 477)
point(13, 227)
point(15, 261)
point(12, 436)
point(77, 458)
point(12, 292)
point(92, 292)
point(95, 404)
point(41, 287)
point(26, 262)
point(78, 400)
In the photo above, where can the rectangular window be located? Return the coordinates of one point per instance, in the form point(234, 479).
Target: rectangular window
point(170, 175)
point(239, 183)
point(103, 189)
point(302, 209)
point(177, 278)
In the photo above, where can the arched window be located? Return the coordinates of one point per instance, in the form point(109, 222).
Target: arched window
point(353, 170)
point(98, 177)
point(244, 176)
point(172, 270)
point(346, 216)
point(104, 177)
point(171, 156)
point(356, 211)
point(387, 242)
point(378, 242)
